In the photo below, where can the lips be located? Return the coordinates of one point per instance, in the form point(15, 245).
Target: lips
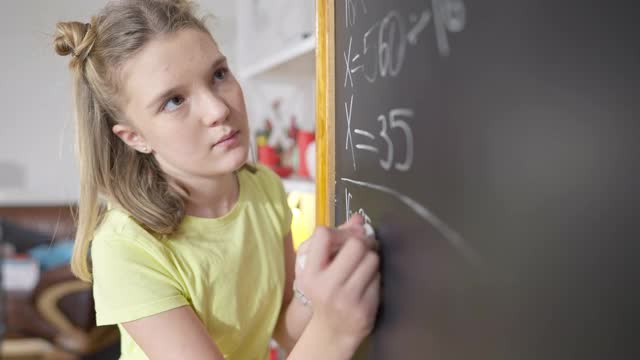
point(229, 136)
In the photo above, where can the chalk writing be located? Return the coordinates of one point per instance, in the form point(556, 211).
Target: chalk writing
point(450, 16)
point(349, 140)
point(351, 8)
point(447, 232)
point(384, 44)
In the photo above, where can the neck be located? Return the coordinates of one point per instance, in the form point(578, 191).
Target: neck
point(212, 197)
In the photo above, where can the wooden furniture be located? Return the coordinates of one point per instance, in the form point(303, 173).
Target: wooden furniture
point(56, 319)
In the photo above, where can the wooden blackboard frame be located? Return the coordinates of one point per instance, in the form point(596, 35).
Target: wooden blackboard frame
point(325, 112)
point(325, 124)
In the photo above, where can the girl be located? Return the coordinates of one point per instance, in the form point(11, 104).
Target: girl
point(192, 256)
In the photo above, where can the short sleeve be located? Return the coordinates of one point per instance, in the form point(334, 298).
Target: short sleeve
point(287, 214)
point(130, 281)
point(279, 196)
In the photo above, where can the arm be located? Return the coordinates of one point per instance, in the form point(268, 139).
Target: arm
point(294, 316)
point(174, 334)
point(318, 344)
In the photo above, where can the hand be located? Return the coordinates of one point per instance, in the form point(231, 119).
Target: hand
point(344, 284)
point(354, 227)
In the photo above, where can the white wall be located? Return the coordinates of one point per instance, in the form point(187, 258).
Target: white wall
point(267, 27)
point(37, 164)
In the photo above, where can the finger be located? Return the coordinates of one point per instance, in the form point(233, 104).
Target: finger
point(339, 238)
point(355, 219)
point(370, 237)
point(347, 260)
point(362, 276)
point(319, 252)
point(354, 225)
point(342, 236)
point(372, 293)
point(364, 233)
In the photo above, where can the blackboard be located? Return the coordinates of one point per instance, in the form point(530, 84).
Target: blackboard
point(494, 147)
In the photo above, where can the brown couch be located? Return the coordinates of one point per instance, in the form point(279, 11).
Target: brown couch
point(60, 310)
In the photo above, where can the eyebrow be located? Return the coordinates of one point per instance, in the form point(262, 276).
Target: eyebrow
point(163, 95)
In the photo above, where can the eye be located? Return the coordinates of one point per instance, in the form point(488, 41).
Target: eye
point(220, 74)
point(173, 103)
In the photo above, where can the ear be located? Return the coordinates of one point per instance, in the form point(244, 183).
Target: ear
point(132, 138)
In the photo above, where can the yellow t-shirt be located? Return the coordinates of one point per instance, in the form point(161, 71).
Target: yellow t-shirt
point(230, 270)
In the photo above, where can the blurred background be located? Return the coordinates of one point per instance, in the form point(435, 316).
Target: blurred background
point(46, 312)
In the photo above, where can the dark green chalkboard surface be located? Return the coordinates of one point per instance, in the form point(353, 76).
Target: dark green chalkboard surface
point(494, 146)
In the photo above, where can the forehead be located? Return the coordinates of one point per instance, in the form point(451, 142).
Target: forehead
point(167, 60)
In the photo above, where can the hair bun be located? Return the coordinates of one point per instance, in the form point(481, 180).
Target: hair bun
point(76, 39)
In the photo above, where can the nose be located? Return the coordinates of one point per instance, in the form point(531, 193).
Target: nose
point(214, 109)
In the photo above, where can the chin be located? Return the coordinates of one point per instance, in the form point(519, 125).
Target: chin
point(234, 160)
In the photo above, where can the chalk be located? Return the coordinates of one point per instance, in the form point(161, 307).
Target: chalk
point(368, 230)
point(301, 260)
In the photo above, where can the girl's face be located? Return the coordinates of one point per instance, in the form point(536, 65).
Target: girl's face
point(184, 106)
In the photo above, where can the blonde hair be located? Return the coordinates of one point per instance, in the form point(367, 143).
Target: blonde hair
point(108, 167)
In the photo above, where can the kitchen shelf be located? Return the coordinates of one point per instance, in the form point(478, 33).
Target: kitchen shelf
point(304, 47)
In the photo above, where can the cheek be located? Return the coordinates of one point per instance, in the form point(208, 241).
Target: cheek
point(179, 142)
point(239, 118)
point(245, 136)
point(236, 100)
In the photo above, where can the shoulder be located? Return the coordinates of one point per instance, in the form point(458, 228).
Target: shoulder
point(126, 259)
point(264, 187)
point(261, 173)
point(119, 234)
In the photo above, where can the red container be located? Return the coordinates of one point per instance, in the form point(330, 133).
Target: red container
point(268, 156)
point(273, 354)
point(304, 139)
